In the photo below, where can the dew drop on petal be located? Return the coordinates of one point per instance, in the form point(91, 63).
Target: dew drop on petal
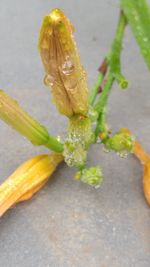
point(67, 67)
point(49, 80)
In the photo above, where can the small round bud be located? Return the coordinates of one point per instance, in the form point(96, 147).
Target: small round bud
point(92, 176)
point(121, 142)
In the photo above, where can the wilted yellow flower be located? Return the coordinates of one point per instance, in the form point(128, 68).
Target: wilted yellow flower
point(144, 158)
point(27, 180)
point(146, 181)
point(64, 72)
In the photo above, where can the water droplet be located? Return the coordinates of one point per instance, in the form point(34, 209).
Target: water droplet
point(84, 74)
point(49, 80)
point(122, 154)
point(138, 28)
point(56, 10)
point(145, 39)
point(98, 141)
point(97, 186)
point(114, 229)
point(106, 150)
point(68, 66)
point(58, 138)
point(92, 114)
point(136, 18)
point(135, 15)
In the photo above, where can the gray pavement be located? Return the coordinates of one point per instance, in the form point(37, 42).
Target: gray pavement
point(68, 224)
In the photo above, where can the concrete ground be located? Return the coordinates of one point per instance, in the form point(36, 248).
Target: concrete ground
point(68, 224)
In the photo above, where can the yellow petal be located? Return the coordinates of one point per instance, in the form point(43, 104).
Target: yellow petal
point(144, 158)
point(146, 181)
point(145, 161)
point(21, 121)
point(32, 191)
point(27, 180)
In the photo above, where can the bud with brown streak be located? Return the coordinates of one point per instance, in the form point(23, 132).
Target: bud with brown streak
point(64, 73)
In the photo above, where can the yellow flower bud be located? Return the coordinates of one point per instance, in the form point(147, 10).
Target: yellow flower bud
point(64, 72)
point(15, 116)
point(27, 180)
point(21, 121)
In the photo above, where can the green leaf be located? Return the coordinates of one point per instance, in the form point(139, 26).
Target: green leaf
point(137, 13)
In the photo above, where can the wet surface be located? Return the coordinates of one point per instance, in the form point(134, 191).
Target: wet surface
point(69, 224)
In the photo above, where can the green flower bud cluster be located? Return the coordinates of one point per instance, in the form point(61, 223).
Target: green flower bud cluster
point(121, 142)
point(92, 176)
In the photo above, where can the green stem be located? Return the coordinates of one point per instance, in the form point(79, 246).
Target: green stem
point(95, 88)
point(114, 74)
point(103, 98)
point(102, 125)
point(100, 106)
point(54, 144)
point(115, 53)
point(113, 59)
point(102, 72)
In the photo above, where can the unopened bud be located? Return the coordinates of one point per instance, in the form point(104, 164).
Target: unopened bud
point(64, 73)
point(92, 176)
point(121, 142)
point(22, 122)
